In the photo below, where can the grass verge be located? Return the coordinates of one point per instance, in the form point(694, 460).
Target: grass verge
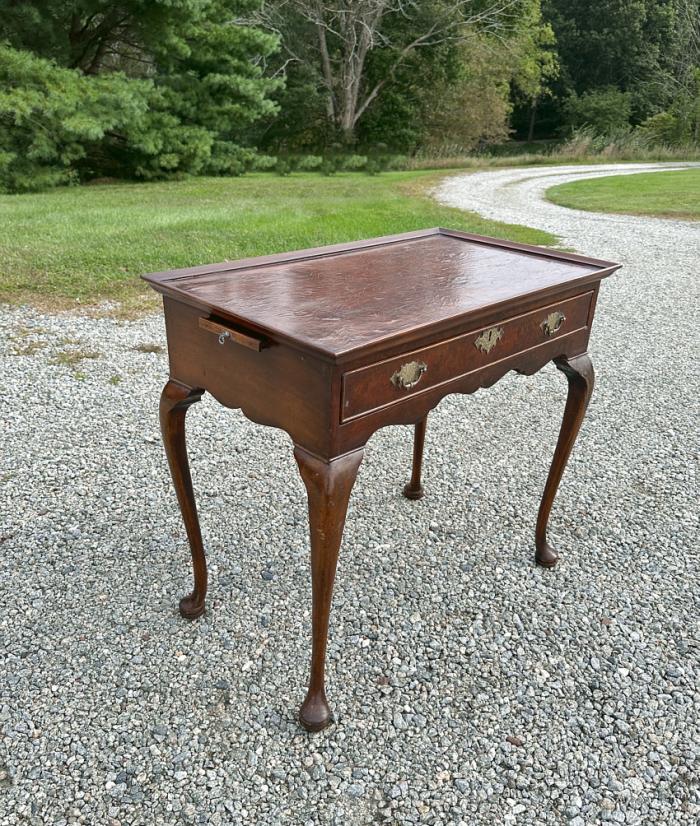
point(89, 244)
point(663, 194)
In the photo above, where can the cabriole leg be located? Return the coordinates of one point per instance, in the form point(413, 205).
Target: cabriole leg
point(414, 488)
point(174, 403)
point(579, 372)
point(328, 485)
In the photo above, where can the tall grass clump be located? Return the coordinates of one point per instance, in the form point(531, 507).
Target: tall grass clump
point(586, 144)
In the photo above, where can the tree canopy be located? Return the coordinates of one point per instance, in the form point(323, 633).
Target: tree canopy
point(642, 48)
point(142, 87)
point(156, 88)
point(411, 74)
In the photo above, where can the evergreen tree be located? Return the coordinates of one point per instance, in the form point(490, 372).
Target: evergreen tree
point(188, 72)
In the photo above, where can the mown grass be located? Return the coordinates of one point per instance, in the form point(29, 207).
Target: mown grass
point(91, 243)
point(664, 194)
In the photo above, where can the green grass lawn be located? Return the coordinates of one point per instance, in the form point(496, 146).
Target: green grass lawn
point(665, 194)
point(90, 243)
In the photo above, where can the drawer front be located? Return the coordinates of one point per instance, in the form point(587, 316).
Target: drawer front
point(389, 382)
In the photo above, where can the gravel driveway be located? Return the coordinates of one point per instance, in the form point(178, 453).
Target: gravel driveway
point(470, 686)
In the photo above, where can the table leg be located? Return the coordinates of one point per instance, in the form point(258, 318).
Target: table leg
point(174, 403)
point(414, 489)
point(580, 375)
point(328, 484)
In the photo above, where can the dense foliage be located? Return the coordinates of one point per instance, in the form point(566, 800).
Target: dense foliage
point(647, 50)
point(142, 88)
point(404, 74)
point(540, 70)
point(160, 88)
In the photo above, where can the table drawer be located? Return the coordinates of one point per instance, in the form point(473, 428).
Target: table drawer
point(390, 381)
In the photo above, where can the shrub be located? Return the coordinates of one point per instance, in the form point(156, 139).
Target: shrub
point(395, 162)
point(604, 111)
point(353, 163)
point(665, 128)
point(229, 159)
point(586, 142)
point(58, 126)
point(308, 163)
point(50, 117)
point(263, 163)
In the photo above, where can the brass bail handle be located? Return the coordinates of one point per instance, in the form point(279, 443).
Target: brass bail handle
point(409, 374)
point(552, 323)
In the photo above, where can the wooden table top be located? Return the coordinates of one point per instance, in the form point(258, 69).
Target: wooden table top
point(342, 298)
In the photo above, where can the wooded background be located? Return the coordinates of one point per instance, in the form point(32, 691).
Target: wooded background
point(156, 88)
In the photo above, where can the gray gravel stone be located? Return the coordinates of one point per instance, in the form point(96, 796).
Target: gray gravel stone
point(115, 711)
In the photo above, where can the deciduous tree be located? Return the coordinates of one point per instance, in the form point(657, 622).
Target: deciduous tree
point(337, 41)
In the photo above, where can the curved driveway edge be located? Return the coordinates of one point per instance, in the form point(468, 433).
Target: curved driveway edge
point(517, 196)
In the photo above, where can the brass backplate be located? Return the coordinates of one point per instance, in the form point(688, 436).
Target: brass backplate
point(409, 374)
point(553, 322)
point(489, 339)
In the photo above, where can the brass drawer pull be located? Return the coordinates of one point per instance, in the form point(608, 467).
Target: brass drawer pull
point(552, 323)
point(229, 334)
point(409, 374)
point(489, 339)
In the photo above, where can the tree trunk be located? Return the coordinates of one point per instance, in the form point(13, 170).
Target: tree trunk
point(347, 127)
point(347, 116)
point(531, 125)
point(327, 72)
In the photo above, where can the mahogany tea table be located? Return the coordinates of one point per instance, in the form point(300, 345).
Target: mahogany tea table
point(331, 344)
